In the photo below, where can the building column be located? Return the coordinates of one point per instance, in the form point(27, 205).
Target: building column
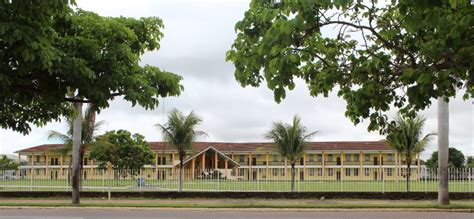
point(203, 161)
point(216, 162)
point(304, 165)
point(361, 164)
point(342, 166)
point(380, 166)
point(172, 163)
point(266, 170)
point(234, 170)
point(323, 163)
point(225, 168)
point(250, 166)
point(32, 164)
point(46, 157)
point(193, 164)
point(156, 163)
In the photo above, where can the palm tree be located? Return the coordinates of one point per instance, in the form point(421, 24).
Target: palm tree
point(180, 132)
point(89, 127)
point(290, 141)
point(405, 137)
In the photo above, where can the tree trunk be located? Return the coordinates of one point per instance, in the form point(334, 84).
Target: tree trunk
point(408, 173)
point(76, 153)
point(180, 177)
point(443, 151)
point(293, 177)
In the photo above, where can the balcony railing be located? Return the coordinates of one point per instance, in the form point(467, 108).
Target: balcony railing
point(313, 163)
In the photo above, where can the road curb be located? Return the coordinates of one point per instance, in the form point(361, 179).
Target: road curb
point(467, 210)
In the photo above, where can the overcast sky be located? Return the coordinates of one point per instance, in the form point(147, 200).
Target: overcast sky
point(196, 36)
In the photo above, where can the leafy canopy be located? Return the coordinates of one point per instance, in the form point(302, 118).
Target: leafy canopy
point(7, 163)
point(290, 139)
point(125, 152)
point(377, 55)
point(180, 131)
point(47, 56)
point(406, 136)
point(456, 159)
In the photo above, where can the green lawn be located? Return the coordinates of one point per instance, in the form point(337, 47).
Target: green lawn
point(229, 185)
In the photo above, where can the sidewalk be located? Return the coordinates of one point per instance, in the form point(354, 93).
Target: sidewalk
point(307, 204)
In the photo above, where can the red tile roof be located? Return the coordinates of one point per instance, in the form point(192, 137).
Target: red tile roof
point(253, 146)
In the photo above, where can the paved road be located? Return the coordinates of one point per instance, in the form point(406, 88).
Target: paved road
point(214, 213)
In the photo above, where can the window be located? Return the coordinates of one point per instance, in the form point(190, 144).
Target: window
point(367, 157)
point(348, 157)
point(367, 172)
point(320, 157)
point(356, 157)
point(311, 172)
point(330, 172)
point(390, 157)
point(159, 160)
point(163, 161)
point(389, 172)
point(348, 171)
point(242, 158)
point(311, 158)
point(320, 172)
point(37, 159)
point(330, 157)
point(356, 172)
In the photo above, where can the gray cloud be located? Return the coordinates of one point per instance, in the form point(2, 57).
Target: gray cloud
point(197, 35)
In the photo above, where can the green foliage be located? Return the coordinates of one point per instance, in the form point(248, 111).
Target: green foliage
point(470, 162)
point(290, 139)
point(126, 153)
point(456, 159)
point(49, 52)
point(7, 163)
point(89, 127)
point(180, 131)
point(406, 136)
point(377, 56)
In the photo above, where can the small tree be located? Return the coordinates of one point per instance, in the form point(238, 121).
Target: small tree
point(406, 138)
point(180, 132)
point(126, 153)
point(456, 159)
point(470, 162)
point(290, 140)
point(7, 163)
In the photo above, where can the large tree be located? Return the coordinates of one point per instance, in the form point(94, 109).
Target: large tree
point(57, 56)
point(456, 159)
point(126, 153)
point(180, 132)
point(290, 141)
point(378, 55)
point(406, 137)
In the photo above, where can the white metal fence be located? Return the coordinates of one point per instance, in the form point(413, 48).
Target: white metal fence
point(374, 179)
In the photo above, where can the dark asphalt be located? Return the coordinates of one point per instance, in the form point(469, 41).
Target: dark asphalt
point(215, 213)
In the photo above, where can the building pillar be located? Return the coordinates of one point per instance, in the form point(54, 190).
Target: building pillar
point(225, 168)
point(193, 164)
point(234, 169)
point(380, 166)
point(266, 169)
point(361, 164)
point(32, 164)
point(323, 162)
point(342, 166)
point(250, 166)
point(172, 163)
point(304, 165)
point(216, 162)
point(46, 157)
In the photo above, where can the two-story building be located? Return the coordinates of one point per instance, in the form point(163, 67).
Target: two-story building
point(332, 161)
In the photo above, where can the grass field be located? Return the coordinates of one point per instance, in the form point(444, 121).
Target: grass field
point(229, 185)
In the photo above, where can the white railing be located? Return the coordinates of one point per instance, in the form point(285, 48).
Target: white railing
point(373, 179)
